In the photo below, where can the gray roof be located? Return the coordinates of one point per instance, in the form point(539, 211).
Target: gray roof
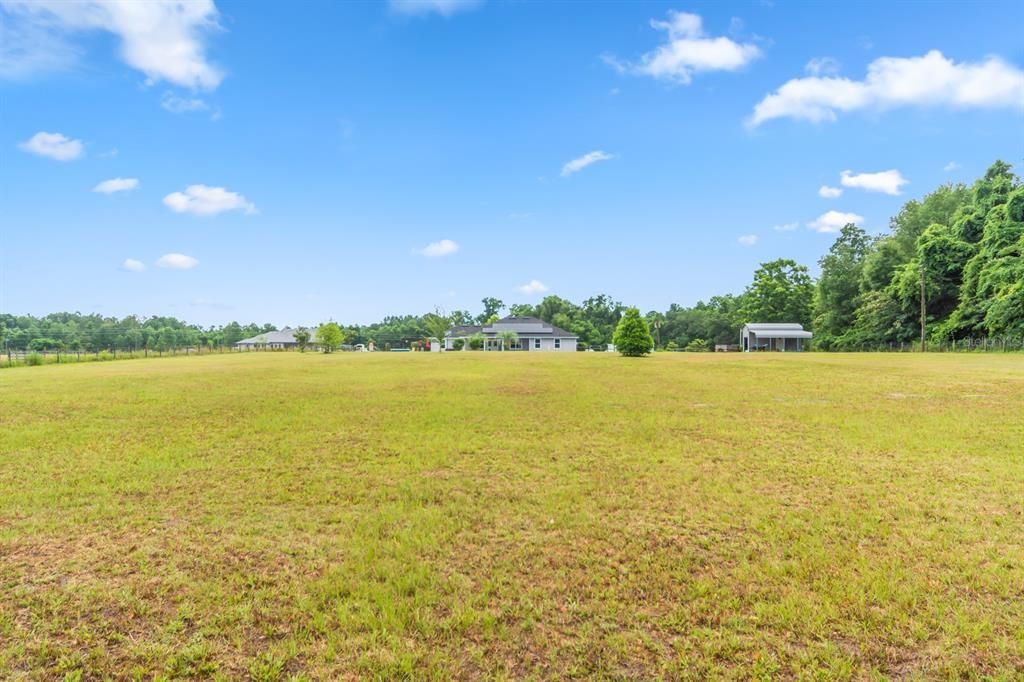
point(464, 330)
point(523, 326)
point(754, 326)
point(286, 335)
point(782, 334)
point(777, 330)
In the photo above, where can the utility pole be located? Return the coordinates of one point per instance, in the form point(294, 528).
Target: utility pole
point(922, 310)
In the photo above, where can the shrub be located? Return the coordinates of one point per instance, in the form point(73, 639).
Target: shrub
point(698, 346)
point(458, 344)
point(476, 342)
point(633, 337)
point(33, 359)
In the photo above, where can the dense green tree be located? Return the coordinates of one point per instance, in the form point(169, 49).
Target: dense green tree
point(632, 335)
point(329, 337)
point(782, 291)
point(838, 290)
point(492, 307)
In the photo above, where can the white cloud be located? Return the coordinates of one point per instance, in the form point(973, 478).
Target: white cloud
point(951, 166)
point(833, 221)
point(116, 185)
point(930, 80)
point(533, 287)
point(53, 146)
point(133, 265)
point(582, 162)
point(822, 66)
point(887, 182)
point(445, 8)
point(445, 247)
point(747, 240)
point(164, 39)
point(180, 105)
point(27, 49)
point(787, 227)
point(203, 200)
point(826, 192)
point(176, 261)
point(688, 51)
point(109, 154)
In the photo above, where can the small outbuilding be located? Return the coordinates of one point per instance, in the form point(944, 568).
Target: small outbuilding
point(774, 336)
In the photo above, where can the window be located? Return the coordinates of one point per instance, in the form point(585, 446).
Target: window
point(536, 344)
point(558, 343)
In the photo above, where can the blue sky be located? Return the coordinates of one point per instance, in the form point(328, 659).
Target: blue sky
point(299, 162)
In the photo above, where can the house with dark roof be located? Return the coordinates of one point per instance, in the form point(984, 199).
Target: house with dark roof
point(279, 340)
point(527, 334)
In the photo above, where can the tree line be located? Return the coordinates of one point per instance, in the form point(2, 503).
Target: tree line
point(954, 259)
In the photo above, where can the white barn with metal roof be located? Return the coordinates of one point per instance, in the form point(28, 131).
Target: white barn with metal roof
point(777, 336)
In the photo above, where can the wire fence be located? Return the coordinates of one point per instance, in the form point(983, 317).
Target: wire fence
point(985, 344)
point(20, 358)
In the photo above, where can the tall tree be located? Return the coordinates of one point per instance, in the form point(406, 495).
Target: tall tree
point(782, 291)
point(492, 306)
point(837, 293)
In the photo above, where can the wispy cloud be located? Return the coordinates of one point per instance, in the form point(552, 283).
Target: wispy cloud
point(833, 221)
point(207, 201)
point(822, 66)
point(116, 185)
point(747, 240)
point(886, 182)
point(582, 162)
point(445, 8)
point(533, 287)
point(826, 192)
point(687, 51)
point(929, 80)
point(53, 146)
point(786, 227)
point(164, 39)
point(177, 104)
point(176, 261)
point(445, 247)
point(132, 265)
point(951, 166)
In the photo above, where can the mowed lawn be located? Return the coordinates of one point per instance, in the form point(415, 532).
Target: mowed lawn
point(518, 515)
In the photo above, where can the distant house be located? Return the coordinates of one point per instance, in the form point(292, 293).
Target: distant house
point(279, 340)
point(780, 336)
point(532, 334)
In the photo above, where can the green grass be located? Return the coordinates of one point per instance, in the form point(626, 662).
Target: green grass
point(517, 515)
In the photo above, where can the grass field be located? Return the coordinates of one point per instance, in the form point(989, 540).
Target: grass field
point(519, 515)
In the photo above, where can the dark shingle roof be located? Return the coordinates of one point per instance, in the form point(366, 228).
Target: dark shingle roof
point(524, 326)
point(464, 330)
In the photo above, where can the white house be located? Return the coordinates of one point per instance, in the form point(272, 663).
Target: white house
point(780, 336)
point(531, 333)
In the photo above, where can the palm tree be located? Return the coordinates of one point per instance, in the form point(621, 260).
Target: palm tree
point(507, 336)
